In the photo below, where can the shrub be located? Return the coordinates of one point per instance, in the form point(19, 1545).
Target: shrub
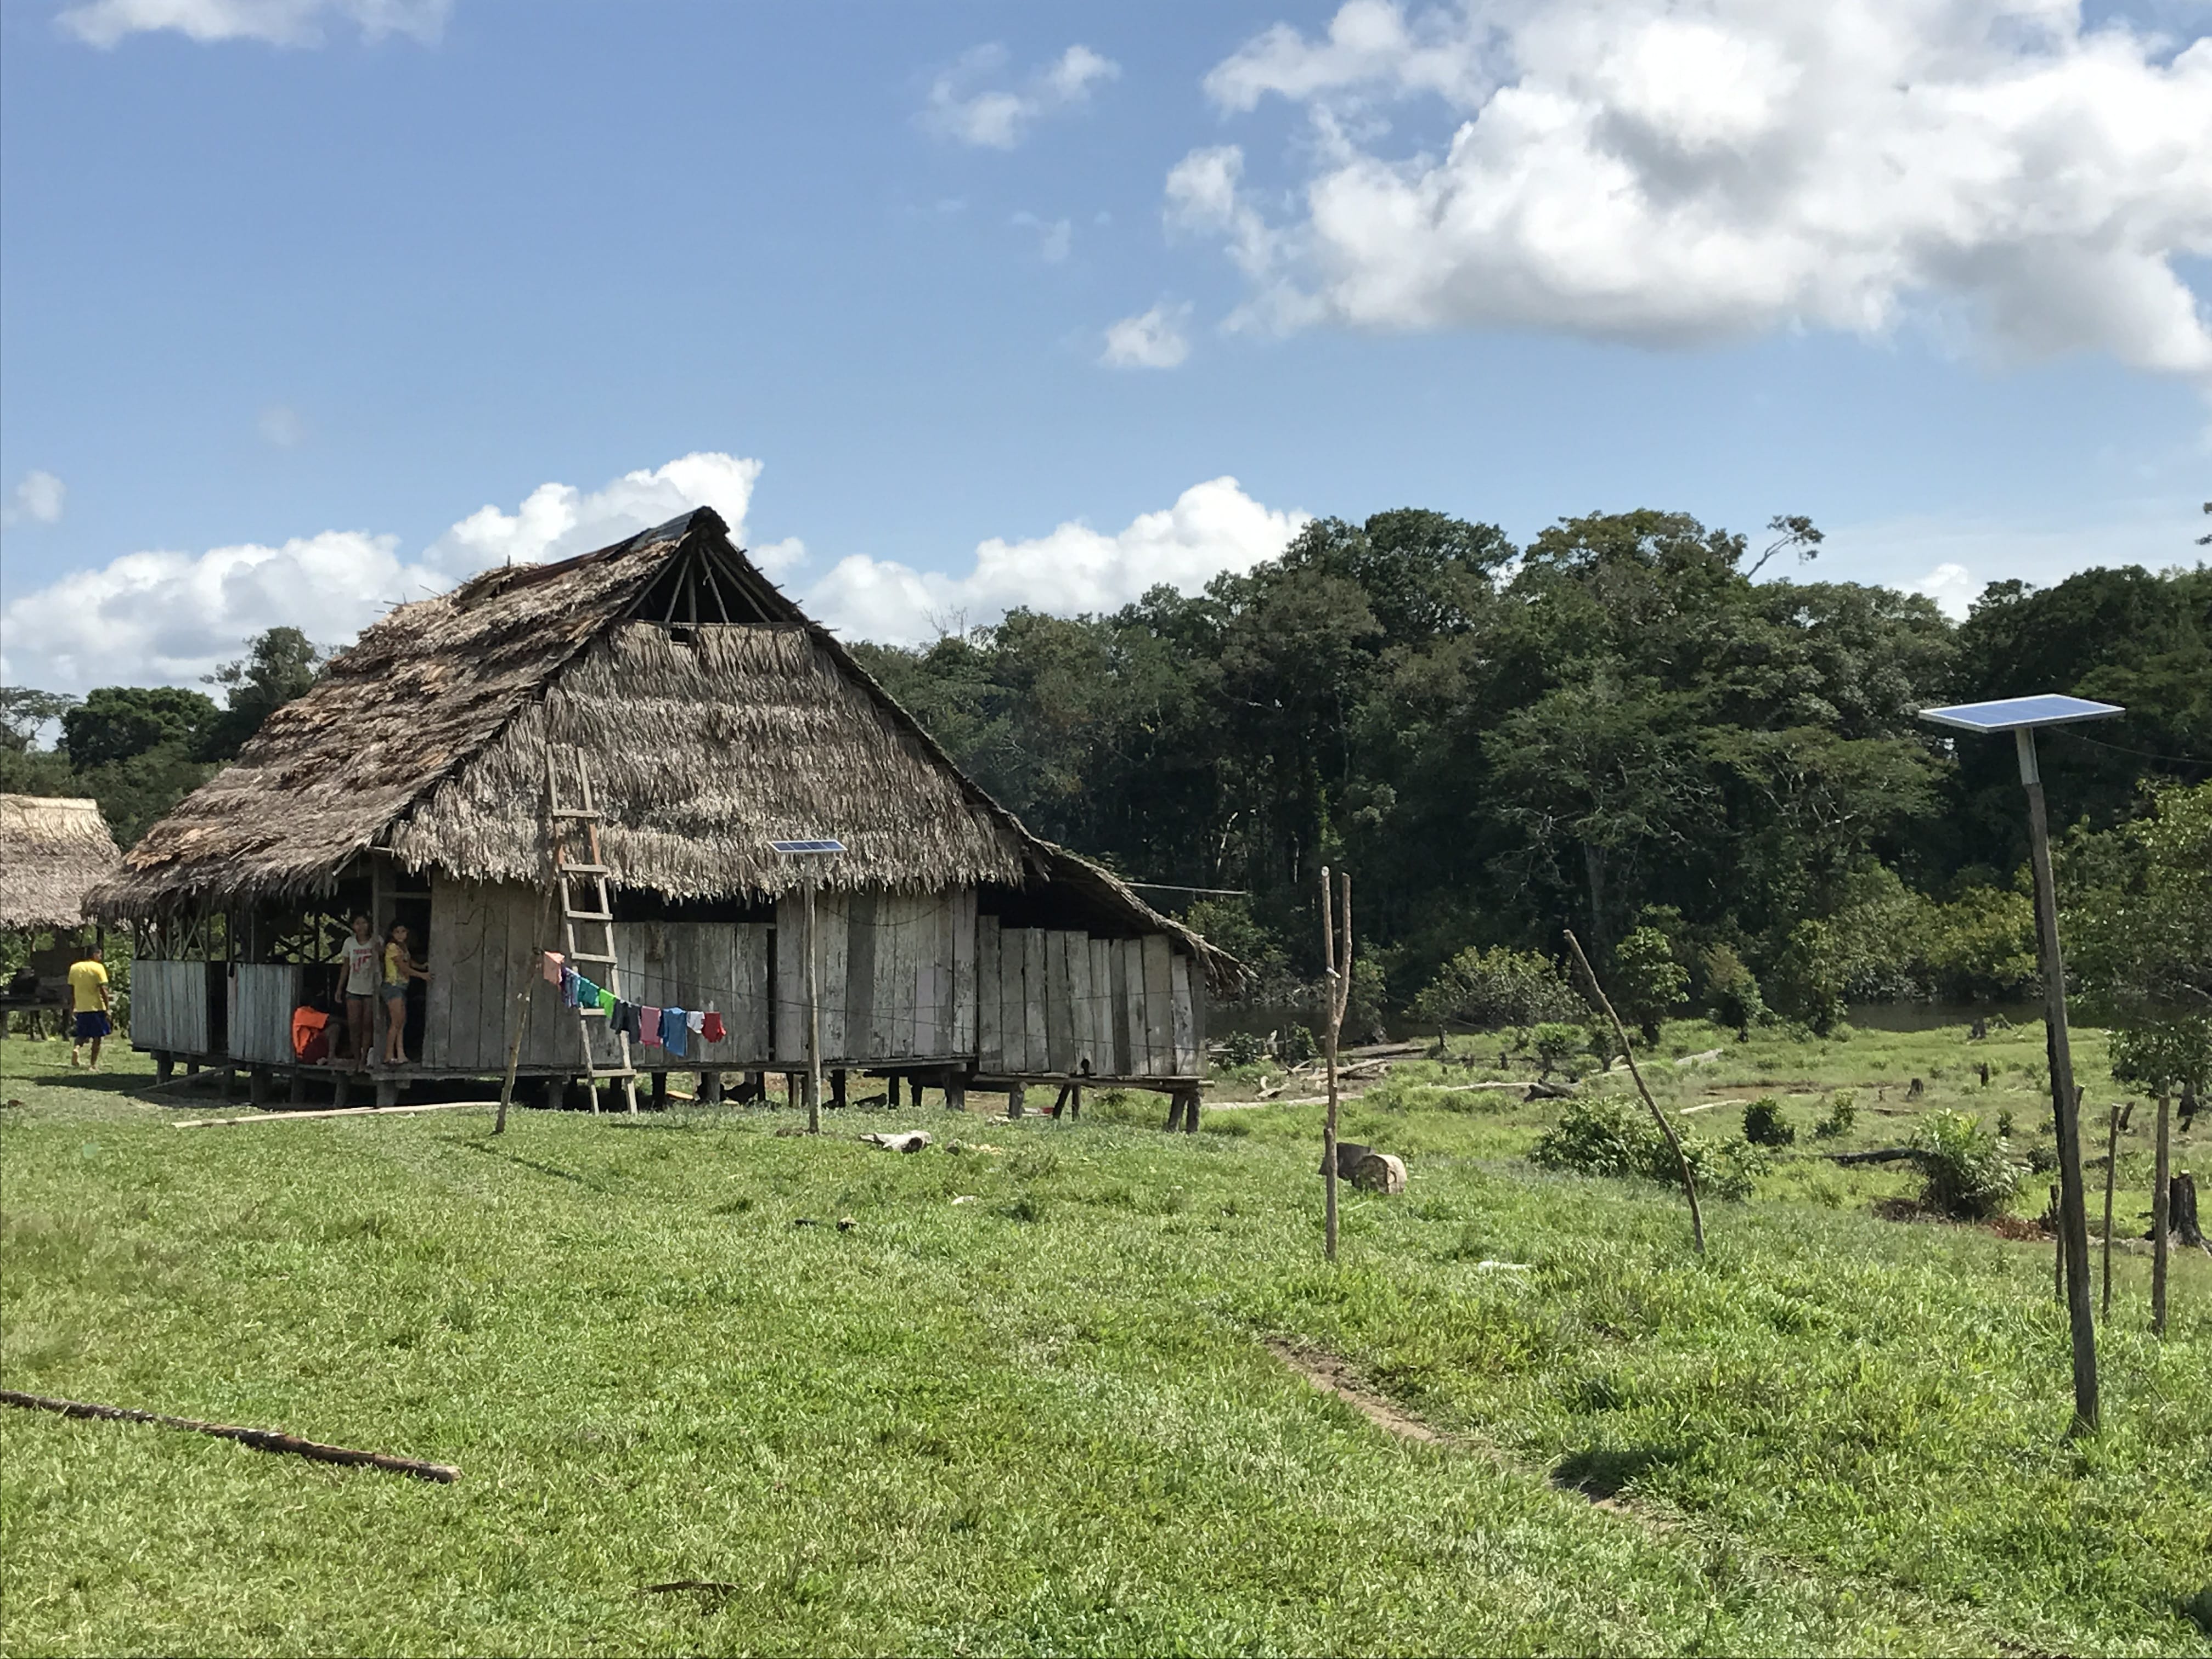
point(1843, 1112)
point(1808, 981)
point(1295, 1045)
point(1763, 1124)
point(1487, 989)
point(1965, 1168)
point(1243, 1048)
point(1732, 995)
point(1649, 984)
point(1603, 1135)
point(1556, 1042)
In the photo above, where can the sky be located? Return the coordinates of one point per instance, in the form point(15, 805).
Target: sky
point(308, 307)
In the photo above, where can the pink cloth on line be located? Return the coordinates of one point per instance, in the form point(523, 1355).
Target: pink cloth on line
point(551, 966)
point(648, 1026)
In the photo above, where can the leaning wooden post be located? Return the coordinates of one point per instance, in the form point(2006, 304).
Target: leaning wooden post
point(1621, 1032)
point(1337, 987)
point(2161, 1220)
point(522, 1013)
point(2111, 1164)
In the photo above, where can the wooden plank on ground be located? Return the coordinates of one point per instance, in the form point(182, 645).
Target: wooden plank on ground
point(1156, 953)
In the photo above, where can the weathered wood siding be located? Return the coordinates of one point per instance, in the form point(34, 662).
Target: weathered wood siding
point(712, 967)
point(1057, 1002)
point(168, 1006)
point(894, 974)
point(262, 997)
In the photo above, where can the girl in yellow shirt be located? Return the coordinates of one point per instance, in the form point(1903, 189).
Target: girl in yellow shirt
point(399, 967)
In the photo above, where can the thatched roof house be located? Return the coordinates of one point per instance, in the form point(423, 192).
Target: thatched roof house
point(714, 716)
point(53, 850)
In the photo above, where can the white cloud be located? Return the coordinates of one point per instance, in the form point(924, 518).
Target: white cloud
point(278, 22)
point(40, 497)
point(1677, 171)
point(1151, 339)
point(1054, 236)
point(172, 616)
point(995, 117)
point(281, 425)
point(1951, 559)
point(1212, 527)
point(1950, 586)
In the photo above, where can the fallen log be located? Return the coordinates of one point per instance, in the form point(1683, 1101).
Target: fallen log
point(268, 1440)
point(1879, 1155)
point(335, 1111)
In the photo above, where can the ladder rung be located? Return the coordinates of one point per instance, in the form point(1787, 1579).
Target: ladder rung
point(591, 1011)
point(576, 812)
point(586, 870)
point(589, 915)
point(588, 956)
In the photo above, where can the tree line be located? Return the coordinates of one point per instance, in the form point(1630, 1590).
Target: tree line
point(1718, 782)
point(1612, 727)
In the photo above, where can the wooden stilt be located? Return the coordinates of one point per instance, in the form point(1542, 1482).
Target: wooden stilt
point(165, 1065)
point(298, 1092)
point(1014, 1099)
point(837, 1088)
point(192, 1068)
point(1190, 1111)
point(891, 1090)
point(257, 1086)
point(339, 1086)
point(659, 1095)
point(1175, 1113)
point(388, 1092)
point(710, 1088)
point(956, 1095)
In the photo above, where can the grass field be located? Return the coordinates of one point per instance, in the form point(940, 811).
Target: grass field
point(1050, 1418)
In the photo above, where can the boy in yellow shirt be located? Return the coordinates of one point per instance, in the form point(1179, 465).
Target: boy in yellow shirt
point(88, 978)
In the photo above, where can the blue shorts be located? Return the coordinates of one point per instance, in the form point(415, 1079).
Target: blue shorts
point(91, 1025)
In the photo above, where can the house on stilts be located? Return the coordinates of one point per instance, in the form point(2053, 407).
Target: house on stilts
point(54, 850)
point(951, 947)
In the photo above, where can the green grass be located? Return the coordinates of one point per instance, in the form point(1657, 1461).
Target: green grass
point(1047, 1419)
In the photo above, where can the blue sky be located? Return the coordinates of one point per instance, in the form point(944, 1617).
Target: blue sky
point(290, 289)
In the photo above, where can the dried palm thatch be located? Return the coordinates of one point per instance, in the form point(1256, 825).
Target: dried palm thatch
point(713, 715)
point(53, 849)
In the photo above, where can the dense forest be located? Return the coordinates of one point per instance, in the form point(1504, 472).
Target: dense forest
point(1613, 728)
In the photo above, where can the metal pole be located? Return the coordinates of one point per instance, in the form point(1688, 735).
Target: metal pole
point(813, 1024)
point(2073, 1211)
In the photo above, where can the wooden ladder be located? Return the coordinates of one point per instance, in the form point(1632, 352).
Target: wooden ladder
point(591, 868)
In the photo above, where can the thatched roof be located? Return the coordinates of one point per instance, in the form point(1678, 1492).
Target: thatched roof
point(53, 850)
point(714, 717)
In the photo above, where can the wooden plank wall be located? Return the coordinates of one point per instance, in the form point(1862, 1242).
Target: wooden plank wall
point(896, 973)
point(263, 995)
point(168, 1006)
point(1059, 1002)
point(721, 967)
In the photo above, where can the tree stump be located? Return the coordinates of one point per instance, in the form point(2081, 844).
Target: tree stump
point(1380, 1172)
point(2181, 1210)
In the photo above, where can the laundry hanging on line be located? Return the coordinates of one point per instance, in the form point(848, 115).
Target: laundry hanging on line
point(671, 1029)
